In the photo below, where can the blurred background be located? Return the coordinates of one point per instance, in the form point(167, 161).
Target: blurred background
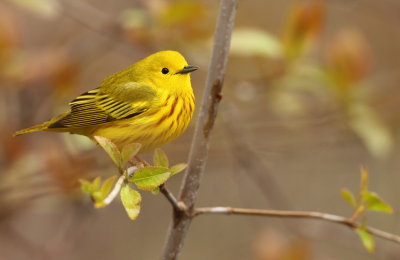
point(311, 94)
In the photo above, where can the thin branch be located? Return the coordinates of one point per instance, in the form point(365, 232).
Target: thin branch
point(208, 111)
point(93, 19)
point(177, 205)
point(248, 160)
point(163, 189)
point(99, 22)
point(296, 214)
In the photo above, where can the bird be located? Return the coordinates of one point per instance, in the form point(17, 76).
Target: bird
point(151, 102)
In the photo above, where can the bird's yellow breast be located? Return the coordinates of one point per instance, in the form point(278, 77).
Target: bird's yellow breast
point(155, 127)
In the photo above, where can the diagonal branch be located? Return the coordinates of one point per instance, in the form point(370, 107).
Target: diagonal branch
point(205, 123)
point(296, 214)
point(176, 205)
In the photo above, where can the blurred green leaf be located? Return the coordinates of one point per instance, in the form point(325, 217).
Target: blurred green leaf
point(86, 186)
point(111, 149)
point(366, 239)
point(134, 18)
point(252, 42)
point(44, 8)
point(182, 13)
point(128, 151)
point(364, 180)
point(149, 178)
point(96, 182)
point(373, 132)
point(348, 197)
point(98, 200)
point(177, 168)
point(160, 159)
point(107, 186)
point(90, 187)
point(98, 192)
point(96, 197)
point(155, 191)
point(131, 200)
point(374, 202)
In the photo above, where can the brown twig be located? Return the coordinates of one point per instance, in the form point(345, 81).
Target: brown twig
point(296, 214)
point(177, 205)
point(208, 111)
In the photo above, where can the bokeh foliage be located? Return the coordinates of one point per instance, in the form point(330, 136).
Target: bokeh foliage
point(302, 62)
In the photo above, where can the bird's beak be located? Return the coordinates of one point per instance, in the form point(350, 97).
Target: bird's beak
point(187, 69)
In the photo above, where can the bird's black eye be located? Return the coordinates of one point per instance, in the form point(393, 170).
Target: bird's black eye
point(164, 71)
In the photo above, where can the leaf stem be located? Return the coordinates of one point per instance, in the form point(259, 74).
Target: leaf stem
point(357, 213)
point(118, 185)
point(114, 192)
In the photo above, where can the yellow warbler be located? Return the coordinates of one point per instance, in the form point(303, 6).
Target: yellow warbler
point(150, 102)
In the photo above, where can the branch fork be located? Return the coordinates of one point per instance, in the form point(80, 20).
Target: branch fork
point(178, 206)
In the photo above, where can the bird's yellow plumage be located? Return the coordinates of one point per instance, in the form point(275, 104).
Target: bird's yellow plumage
point(150, 102)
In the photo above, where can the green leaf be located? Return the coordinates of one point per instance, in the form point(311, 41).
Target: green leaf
point(372, 201)
point(366, 239)
point(364, 180)
point(96, 183)
point(131, 200)
point(134, 18)
point(348, 197)
point(107, 186)
point(255, 42)
point(86, 186)
point(371, 129)
point(128, 151)
point(111, 149)
point(44, 8)
point(92, 188)
point(149, 178)
point(98, 192)
point(98, 202)
point(177, 168)
point(96, 196)
point(160, 158)
point(155, 191)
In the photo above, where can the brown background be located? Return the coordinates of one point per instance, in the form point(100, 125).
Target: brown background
point(273, 146)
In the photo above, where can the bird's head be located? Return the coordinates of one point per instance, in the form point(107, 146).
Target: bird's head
point(166, 70)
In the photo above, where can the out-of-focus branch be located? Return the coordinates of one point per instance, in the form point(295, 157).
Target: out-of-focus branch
point(208, 111)
point(249, 161)
point(99, 22)
point(93, 19)
point(296, 214)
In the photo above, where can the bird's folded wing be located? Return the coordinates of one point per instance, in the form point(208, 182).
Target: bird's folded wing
point(97, 107)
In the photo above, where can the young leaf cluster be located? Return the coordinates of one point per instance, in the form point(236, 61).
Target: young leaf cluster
point(365, 201)
point(98, 191)
point(144, 176)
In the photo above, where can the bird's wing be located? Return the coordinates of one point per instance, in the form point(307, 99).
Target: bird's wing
point(99, 106)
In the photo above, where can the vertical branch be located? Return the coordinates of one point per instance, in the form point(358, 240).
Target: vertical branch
point(208, 111)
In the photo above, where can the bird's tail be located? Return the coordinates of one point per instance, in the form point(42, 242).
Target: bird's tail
point(34, 128)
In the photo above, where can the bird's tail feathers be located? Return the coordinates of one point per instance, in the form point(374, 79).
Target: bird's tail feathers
point(34, 128)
